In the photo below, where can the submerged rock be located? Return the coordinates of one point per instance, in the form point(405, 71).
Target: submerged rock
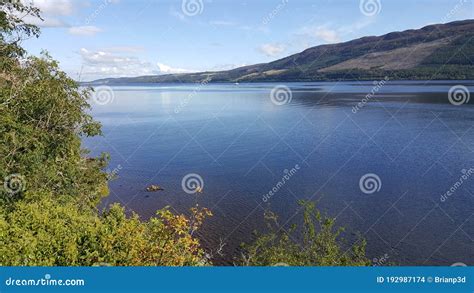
point(153, 188)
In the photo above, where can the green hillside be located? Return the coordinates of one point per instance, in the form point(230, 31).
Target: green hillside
point(441, 51)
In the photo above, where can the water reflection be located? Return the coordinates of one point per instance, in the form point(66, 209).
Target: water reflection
point(240, 143)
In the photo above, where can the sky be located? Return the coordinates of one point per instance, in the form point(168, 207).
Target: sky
point(113, 38)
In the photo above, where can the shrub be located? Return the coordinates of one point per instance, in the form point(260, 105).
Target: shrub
point(318, 243)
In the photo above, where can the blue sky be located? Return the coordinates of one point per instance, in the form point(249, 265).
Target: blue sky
point(111, 38)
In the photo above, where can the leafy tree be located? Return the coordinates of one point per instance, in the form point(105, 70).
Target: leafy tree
point(43, 119)
point(51, 188)
point(12, 27)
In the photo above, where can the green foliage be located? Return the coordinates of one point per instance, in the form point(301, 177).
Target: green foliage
point(48, 203)
point(43, 117)
point(51, 188)
point(41, 232)
point(12, 27)
point(318, 243)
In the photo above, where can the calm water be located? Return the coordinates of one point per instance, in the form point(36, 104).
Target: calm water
point(242, 144)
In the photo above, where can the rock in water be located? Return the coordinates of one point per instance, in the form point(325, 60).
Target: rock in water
point(153, 188)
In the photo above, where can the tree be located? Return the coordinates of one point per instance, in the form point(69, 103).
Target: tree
point(13, 29)
point(51, 188)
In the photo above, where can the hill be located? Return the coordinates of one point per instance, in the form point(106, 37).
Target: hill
point(440, 51)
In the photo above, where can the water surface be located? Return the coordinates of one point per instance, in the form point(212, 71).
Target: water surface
point(242, 144)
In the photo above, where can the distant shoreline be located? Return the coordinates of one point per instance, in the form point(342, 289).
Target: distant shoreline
point(421, 81)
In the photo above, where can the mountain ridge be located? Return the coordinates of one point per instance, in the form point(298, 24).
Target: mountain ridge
point(437, 51)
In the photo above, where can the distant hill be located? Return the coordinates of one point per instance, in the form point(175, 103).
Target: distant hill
point(441, 51)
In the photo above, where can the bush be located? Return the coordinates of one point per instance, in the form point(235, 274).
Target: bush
point(48, 206)
point(318, 244)
point(44, 233)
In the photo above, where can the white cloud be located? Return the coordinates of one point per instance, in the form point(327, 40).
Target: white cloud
point(112, 63)
point(166, 69)
point(271, 50)
point(88, 30)
point(325, 34)
point(46, 22)
point(102, 63)
point(54, 12)
point(328, 34)
point(51, 12)
point(54, 7)
point(106, 58)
